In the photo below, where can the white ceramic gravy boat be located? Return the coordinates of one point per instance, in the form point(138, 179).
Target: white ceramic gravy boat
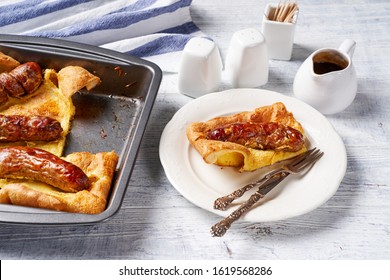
point(327, 79)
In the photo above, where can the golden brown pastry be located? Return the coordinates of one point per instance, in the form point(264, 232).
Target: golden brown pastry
point(7, 63)
point(73, 78)
point(37, 114)
point(98, 167)
point(226, 153)
point(55, 101)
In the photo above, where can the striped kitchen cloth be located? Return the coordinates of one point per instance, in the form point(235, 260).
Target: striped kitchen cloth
point(156, 30)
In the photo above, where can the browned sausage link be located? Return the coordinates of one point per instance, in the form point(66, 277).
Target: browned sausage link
point(29, 75)
point(15, 128)
point(22, 80)
point(40, 165)
point(264, 136)
point(12, 86)
point(3, 95)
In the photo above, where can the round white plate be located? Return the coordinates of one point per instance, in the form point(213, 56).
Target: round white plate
point(202, 183)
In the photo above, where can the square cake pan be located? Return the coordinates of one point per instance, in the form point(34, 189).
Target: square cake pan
point(113, 116)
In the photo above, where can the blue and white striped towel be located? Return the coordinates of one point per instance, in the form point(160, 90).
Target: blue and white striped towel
point(156, 30)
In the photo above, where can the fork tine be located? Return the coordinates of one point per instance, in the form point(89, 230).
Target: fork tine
point(313, 161)
point(301, 157)
point(312, 158)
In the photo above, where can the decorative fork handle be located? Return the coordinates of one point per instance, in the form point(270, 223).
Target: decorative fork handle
point(223, 202)
point(219, 229)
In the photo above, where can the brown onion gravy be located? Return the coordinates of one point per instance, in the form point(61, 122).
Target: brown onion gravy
point(326, 67)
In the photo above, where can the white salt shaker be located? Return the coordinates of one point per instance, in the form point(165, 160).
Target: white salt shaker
point(200, 68)
point(247, 59)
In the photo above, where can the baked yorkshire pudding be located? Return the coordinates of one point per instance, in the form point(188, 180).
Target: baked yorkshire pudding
point(36, 113)
point(52, 99)
point(249, 140)
point(99, 168)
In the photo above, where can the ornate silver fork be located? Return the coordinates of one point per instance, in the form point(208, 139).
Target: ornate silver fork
point(294, 165)
point(266, 184)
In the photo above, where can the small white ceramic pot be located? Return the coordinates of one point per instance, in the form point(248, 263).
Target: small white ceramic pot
point(200, 68)
point(247, 59)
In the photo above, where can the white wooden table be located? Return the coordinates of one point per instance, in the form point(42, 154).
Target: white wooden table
point(156, 222)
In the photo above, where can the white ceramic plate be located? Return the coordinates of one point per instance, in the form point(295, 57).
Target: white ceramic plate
point(202, 183)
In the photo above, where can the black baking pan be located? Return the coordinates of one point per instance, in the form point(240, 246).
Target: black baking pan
point(113, 116)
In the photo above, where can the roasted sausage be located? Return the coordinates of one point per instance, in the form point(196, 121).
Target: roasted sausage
point(29, 75)
point(21, 81)
point(11, 85)
point(15, 128)
point(3, 95)
point(39, 165)
point(263, 136)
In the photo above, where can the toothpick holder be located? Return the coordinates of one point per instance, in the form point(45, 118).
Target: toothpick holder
point(278, 35)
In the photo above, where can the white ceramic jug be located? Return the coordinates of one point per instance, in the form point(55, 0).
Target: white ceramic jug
point(327, 79)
